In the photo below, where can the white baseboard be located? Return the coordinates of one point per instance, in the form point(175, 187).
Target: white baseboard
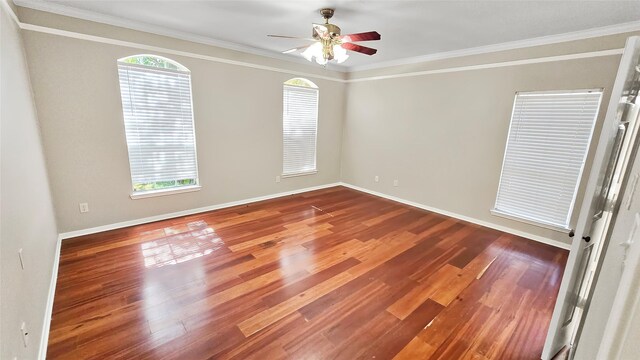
point(44, 341)
point(509, 230)
point(71, 234)
point(123, 224)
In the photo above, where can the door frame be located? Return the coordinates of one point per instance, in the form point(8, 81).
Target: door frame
point(557, 337)
point(627, 300)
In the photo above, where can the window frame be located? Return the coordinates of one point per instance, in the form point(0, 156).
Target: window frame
point(566, 228)
point(310, 85)
point(181, 69)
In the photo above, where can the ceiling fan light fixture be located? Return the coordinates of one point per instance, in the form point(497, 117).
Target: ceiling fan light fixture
point(329, 44)
point(340, 54)
point(315, 50)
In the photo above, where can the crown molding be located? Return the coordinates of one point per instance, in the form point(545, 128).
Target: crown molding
point(80, 36)
point(539, 60)
point(140, 46)
point(512, 45)
point(69, 11)
point(114, 21)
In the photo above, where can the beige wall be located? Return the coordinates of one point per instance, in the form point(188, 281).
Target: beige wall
point(238, 120)
point(443, 135)
point(26, 212)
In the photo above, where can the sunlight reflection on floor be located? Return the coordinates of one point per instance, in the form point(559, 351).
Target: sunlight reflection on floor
point(182, 244)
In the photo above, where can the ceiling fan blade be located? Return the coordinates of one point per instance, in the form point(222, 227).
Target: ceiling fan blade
point(359, 48)
point(365, 36)
point(291, 37)
point(295, 49)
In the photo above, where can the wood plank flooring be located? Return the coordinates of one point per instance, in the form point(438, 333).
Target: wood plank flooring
point(329, 274)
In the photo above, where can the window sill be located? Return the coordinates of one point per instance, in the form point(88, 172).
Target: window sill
point(529, 221)
point(300, 174)
point(163, 192)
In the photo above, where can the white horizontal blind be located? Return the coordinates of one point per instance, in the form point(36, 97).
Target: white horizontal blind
point(300, 120)
point(159, 123)
point(546, 150)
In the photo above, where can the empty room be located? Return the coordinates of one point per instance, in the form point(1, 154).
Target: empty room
point(347, 179)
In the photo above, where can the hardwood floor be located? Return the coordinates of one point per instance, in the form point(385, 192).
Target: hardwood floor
point(329, 274)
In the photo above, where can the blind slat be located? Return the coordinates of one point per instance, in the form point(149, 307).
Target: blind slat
point(158, 123)
point(546, 149)
point(299, 129)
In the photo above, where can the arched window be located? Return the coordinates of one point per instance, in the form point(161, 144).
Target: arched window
point(158, 119)
point(299, 127)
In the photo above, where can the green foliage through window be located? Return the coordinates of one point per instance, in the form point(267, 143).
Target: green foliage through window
point(159, 185)
point(153, 61)
point(301, 82)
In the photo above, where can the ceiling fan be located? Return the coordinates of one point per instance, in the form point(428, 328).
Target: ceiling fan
point(328, 44)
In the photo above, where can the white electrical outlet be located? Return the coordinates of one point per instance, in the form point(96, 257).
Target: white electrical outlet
point(21, 259)
point(84, 207)
point(278, 178)
point(376, 178)
point(25, 334)
point(395, 182)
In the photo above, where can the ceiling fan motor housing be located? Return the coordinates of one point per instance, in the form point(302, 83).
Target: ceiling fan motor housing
point(333, 30)
point(327, 14)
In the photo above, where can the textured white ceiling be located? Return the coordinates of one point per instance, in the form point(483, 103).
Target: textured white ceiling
point(408, 28)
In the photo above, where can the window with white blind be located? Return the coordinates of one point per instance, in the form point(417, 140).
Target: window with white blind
point(158, 119)
point(299, 127)
point(545, 154)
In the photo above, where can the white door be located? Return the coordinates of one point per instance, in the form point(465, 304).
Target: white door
point(606, 180)
point(621, 338)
